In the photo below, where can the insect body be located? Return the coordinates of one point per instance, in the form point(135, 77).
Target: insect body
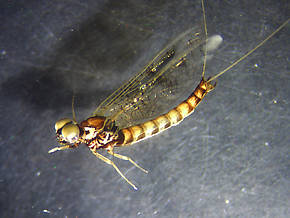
point(138, 109)
point(134, 112)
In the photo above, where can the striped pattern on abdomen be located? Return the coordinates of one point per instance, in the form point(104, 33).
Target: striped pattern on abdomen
point(147, 129)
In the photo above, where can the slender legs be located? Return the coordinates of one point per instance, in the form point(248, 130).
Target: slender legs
point(128, 159)
point(60, 148)
point(108, 161)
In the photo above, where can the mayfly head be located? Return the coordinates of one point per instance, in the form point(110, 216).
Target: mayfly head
point(67, 131)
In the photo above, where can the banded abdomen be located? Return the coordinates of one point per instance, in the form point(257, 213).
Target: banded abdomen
point(173, 117)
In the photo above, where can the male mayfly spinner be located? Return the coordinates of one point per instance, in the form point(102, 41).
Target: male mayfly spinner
point(139, 108)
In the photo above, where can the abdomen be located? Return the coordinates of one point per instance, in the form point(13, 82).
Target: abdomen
point(173, 117)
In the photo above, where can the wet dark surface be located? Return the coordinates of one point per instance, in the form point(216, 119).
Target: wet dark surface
point(229, 159)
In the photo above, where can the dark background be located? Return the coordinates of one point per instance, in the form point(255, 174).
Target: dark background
point(229, 159)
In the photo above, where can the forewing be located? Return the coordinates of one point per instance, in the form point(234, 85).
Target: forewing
point(166, 81)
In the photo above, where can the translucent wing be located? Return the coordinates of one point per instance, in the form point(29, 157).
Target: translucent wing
point(166, 81)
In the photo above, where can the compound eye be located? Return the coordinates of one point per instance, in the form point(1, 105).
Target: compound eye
point(70, 133)
point(61, 123)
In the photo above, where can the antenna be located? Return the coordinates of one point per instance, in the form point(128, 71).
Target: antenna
point(73, 110)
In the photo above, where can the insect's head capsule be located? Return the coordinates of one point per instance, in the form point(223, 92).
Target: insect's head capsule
point(67, 131)
point(61, 123)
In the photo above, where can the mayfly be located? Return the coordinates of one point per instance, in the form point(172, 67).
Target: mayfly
point(139, 108)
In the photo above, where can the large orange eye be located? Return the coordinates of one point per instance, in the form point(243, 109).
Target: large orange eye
point(70, 133)
point(61, 123)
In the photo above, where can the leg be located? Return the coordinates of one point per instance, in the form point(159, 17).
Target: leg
point(108, 161)
point(126, 158)
point(60, 148)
